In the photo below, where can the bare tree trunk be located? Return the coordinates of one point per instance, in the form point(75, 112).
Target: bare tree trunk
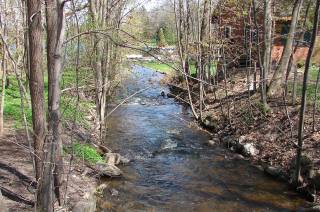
point(279, 75)
point(304, 95)
point(315, 103)
point(183, 51)
point(55, 33)
point(294, 86)
point(267, 50)
point(3, 89)
point(36, 83)
point(203, 31)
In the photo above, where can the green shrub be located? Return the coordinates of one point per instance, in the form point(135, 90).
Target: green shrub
point(161, 38)
point(300, 63)
point(87, 152)
point(262, 108)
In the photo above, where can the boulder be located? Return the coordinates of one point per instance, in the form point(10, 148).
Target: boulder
point(229, 141)
point(306, 171)
point(210, 123)
point(249, 150)
point(316, 179)
point(112, 158)
point(84, 206)
point(107, 170)
point(211, 143)
point(100, 189)
point(88, 204)
point(238, 157)
point(315, 208)
point(115, 159)
point(114, 192)
point(124, 160)
point(214, 141)
point(242, 139)
point(273, 171)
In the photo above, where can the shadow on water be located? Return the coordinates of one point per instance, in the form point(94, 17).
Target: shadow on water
point(172, 169)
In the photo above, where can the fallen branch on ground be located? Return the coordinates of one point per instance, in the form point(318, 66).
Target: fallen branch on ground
point(15, 197)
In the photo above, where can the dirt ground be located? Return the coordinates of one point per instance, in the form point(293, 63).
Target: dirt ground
point(16, 175)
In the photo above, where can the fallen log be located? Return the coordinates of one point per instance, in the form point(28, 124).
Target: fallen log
point(15, 197)
point(3, 206)
point(18, 174)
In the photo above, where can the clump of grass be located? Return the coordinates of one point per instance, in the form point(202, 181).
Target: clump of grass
point(263, 109)
point(87, 152)
point(247, 116)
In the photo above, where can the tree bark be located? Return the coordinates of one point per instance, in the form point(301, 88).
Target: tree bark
point(279, 75)
point(36, 82)
point(54, 163)
point(3, 89)
point(304, 95)
point(267, 49)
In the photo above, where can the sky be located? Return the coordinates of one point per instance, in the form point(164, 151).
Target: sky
point(150, 4)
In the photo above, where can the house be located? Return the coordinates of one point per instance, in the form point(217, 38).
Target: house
point(238, 31)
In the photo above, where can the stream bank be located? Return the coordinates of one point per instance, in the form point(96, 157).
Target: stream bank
point(265, 138)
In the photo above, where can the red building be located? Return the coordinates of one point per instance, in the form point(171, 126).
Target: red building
point(239, 32)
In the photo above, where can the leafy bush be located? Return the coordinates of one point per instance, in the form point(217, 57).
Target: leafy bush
point(300, 63)
point(87, 152)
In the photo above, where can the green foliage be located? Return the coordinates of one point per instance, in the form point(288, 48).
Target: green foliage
point(300, 63)
point(313, 72)
point(12, 107)
point(161, 67)
point(161, 38)
point(311, 89)
point(170, 35)
point(262, 108)
point(87, 153)
point(247, 116)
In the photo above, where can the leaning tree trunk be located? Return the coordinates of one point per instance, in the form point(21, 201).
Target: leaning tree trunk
point(279, 75)
point(304, 95)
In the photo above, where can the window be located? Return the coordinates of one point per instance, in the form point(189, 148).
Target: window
point(227, 32)
point(284, 33)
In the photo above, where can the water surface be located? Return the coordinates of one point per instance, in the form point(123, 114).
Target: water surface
point(173, 169)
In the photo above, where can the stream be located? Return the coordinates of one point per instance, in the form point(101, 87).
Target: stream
point(173, 169)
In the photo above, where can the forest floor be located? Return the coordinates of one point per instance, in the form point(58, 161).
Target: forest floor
point(240, 118)
point(17, 175)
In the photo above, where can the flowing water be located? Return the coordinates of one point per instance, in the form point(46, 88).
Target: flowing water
point(172, 168)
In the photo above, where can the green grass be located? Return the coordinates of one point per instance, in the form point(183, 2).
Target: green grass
point(87, 153)
point(311, 87)
point(310, 93)
point(12, 107)
point(161, 67)
point(313, 72)
point(166, 68)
